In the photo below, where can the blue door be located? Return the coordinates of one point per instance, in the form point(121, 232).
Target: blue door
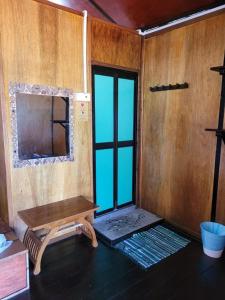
point(114, 137)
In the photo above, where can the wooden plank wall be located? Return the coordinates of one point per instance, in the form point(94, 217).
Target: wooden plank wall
point(3, 177)
point(115, 46)
point(177, 154)
point(43, 45)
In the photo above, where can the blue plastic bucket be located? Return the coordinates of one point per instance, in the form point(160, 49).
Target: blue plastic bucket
point(213, 238)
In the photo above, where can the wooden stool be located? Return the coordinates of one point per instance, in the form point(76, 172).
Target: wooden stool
point(56, 219)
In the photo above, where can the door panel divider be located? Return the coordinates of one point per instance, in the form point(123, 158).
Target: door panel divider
point(115, 194)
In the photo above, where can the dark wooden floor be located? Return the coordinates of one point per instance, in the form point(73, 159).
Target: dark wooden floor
point(72, 269)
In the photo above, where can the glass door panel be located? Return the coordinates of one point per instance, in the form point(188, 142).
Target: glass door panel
point(125, 109)
point(104, 112)
point(125, 175)
point(104, 179)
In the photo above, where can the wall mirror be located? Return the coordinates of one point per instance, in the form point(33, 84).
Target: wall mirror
point(42, 124)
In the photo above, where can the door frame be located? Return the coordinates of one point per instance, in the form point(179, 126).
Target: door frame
point(115, 73)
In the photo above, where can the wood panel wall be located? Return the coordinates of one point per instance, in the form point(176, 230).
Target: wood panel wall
point(43, 45)
point(3, 177)
point(177, 154)
point(115, 46)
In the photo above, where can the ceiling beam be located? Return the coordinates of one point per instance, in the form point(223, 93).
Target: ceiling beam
point(101, 10)
point(182, 21)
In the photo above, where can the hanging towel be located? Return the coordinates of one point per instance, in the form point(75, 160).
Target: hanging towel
point(4, 244)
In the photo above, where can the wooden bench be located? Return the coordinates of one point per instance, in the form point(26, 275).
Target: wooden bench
point(56, 219)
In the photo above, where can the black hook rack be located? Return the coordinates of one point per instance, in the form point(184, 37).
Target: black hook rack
point(220, 69)
point(177, 86)
point(219, 133)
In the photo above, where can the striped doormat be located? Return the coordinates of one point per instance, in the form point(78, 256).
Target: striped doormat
point(148, 247)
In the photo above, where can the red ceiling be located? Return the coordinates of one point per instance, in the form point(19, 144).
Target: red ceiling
point(138, 13)
point(78, 5)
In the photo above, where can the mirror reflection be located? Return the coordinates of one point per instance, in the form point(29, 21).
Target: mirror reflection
point(42, 126)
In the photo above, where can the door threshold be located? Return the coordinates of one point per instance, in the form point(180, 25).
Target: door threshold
point(122, 223)
point(110, 213)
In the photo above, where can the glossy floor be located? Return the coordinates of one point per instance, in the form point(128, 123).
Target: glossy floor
point(72, 269)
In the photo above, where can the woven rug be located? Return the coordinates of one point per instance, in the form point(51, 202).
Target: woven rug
point(147, 248)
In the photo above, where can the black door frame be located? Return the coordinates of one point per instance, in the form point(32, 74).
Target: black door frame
point(115, 73)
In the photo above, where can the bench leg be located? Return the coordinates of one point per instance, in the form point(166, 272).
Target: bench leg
point(90, 231)
point(37, 263)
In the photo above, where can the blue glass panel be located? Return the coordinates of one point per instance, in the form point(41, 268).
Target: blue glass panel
point(125, 175)
point(125, 109)
point(103, 108)
point(104, 179)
